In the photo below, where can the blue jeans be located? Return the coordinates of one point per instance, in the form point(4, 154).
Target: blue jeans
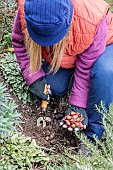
point(60, 82)
point(101, 88)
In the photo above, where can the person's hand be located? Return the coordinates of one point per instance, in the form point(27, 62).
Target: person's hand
point(70, 119)
point(37, 88)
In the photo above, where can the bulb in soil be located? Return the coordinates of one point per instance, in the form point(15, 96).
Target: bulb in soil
point(64, 126)
point(61, 123)
point(70, 129)
point(77, 129)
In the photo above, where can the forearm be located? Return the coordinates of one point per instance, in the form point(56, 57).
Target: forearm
point(84, 63)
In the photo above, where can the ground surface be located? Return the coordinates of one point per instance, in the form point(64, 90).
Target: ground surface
point(51, 136)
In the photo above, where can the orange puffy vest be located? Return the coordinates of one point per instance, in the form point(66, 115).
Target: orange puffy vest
point(87, 16)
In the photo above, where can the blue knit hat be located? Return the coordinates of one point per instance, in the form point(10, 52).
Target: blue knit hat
point(48, 21)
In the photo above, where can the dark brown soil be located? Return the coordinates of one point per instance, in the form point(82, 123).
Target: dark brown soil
point(52, 136)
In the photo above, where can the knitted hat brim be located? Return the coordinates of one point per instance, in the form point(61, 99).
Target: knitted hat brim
point(51, 39)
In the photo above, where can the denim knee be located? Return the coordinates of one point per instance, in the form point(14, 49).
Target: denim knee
point(103, 68)
point(101, 79)
point(60, 81)
point(58, 90)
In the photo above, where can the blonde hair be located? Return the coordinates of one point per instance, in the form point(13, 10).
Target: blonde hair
point(35, 53)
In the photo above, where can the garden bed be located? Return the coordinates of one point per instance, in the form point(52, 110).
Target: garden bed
point(51, 136)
